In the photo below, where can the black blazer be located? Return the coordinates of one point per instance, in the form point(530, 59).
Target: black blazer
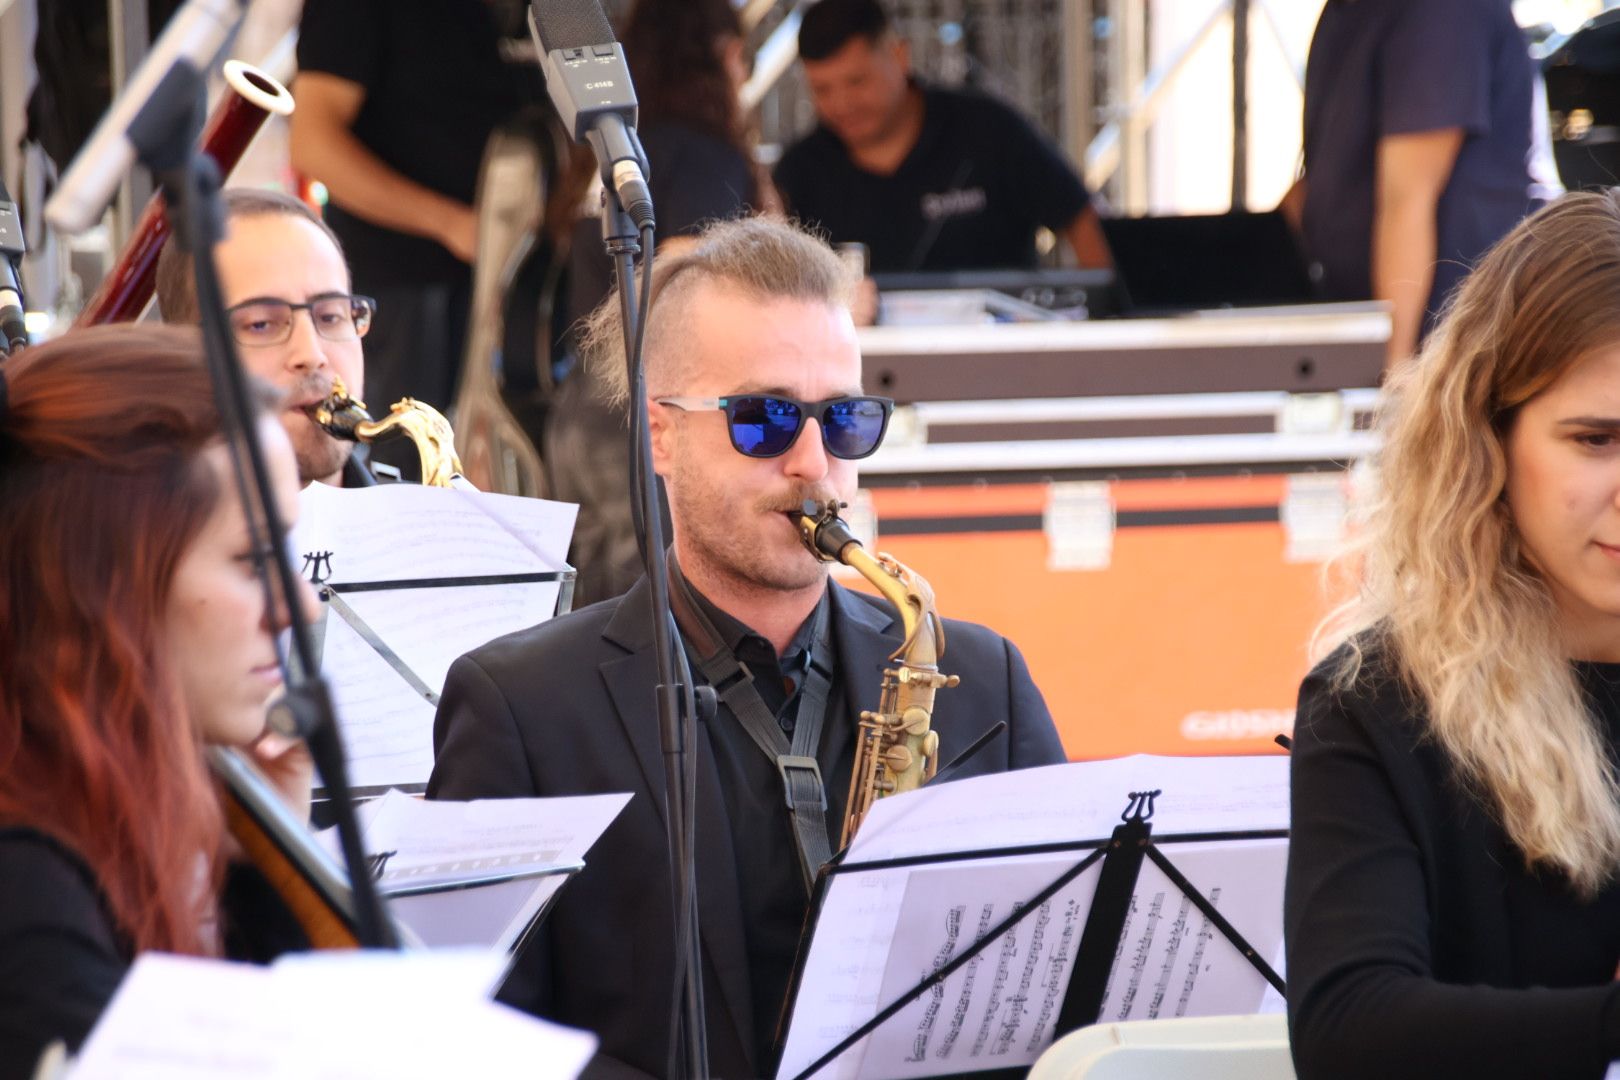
point(566, 708)
point(1401, 958)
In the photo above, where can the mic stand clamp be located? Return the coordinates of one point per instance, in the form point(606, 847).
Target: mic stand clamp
point(164, 134)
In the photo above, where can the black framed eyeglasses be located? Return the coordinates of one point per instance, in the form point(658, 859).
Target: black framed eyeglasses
point(269, 322)
point(767, 425)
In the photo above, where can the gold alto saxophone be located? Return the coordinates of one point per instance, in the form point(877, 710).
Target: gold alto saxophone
point(344, 417)
point(896, 749)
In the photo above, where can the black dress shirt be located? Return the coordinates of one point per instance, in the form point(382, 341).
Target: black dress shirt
point(774, 900)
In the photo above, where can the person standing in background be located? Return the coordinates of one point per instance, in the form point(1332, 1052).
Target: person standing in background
point(1417, 145)
point(396, 99)
point(687, 61)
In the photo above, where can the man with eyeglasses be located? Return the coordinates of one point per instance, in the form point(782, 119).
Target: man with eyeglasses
point(296, 324)
point(755, 378)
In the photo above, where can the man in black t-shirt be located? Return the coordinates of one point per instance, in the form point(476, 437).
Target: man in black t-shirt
point(927, 178)
point(396, 99)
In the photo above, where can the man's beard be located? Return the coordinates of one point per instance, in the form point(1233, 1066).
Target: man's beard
point(319, 455)
point(737, 557)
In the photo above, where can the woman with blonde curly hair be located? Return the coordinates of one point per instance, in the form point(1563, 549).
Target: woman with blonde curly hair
point(1452, 906)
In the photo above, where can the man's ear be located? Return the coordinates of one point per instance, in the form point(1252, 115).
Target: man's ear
point(661, 422)
point(902, 53)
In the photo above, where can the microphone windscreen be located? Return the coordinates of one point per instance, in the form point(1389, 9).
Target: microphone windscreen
point(570, 24)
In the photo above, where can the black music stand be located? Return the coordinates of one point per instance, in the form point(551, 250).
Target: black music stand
point(332, 595)
point(1101, 941)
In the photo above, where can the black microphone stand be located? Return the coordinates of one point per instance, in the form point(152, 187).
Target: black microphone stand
point(164, 134)
point(678, 703)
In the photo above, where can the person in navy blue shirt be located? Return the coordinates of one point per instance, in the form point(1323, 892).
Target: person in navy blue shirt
point(927, 178)
point(1417, 142)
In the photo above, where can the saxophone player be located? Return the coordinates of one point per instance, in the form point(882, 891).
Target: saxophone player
point(292, 312)
point(756, 406)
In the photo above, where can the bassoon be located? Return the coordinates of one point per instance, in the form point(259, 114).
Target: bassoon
point(251, 98)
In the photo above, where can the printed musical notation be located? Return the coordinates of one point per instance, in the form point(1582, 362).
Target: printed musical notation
point(405, 535)
point(998, 1010)
point(1171, 960)
point(881, 931)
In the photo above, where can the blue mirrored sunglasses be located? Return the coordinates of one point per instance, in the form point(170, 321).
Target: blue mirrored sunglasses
point(766, 425)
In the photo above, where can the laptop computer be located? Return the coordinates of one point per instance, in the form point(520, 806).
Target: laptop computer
point(1197, 262)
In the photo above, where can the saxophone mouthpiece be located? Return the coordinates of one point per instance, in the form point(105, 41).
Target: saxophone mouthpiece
point(340, 415)
point(825, 533)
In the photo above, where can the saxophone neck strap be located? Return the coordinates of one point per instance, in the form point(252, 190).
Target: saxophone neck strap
point(802, 787)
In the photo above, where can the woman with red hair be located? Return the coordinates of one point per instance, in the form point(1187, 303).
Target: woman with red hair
point(133, 631)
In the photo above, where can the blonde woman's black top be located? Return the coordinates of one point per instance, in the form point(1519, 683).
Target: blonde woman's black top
point(1419, 944)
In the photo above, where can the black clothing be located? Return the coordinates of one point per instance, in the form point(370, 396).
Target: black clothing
point(567, 708)
point(60, 957)
point(1419, 945)
point(970, 194)
point(356, 472)
point(414, 351)
point(72, 59)
point(694, 178)
point(1394, 67)
point(436, 86)
point(774, 903)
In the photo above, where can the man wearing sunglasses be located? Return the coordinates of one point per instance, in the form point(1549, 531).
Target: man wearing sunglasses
point(296, 325)
point(754, 377)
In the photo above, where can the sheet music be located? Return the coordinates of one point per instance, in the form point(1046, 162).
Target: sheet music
point(880, 932)
point(999, 1009)
point(438, 842)
point(406, 532)
point(476, 873)
point(322, 1016)
point(1172, 960)
point(387, 725)
point(393, 532)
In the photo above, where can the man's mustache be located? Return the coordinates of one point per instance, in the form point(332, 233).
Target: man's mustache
point(786, 504)
point(309, 390)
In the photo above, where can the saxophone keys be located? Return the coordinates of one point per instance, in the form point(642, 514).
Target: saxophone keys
point(897, 759)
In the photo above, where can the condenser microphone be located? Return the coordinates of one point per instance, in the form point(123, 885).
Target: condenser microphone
point(13, 328)
point(589, 84)
point(196, 35)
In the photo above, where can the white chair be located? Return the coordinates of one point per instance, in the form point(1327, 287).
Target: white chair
point(1197, 1048)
